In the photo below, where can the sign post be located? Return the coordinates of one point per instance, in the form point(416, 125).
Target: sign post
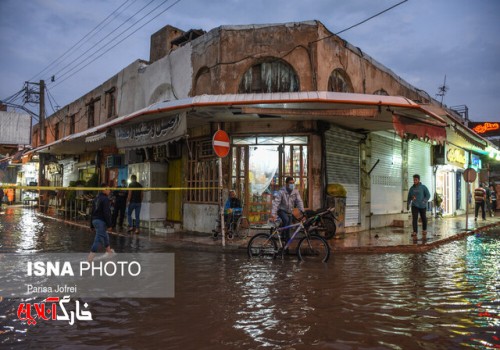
point(221, 146)
point(469, 176)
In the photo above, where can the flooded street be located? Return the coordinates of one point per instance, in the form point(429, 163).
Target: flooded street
point(447, 298)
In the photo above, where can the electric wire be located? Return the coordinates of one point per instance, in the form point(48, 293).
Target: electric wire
point(51, 99)
point(119, 42)
point(359, 23)
point(64, 71)
point(14, 96)
point(87, 36)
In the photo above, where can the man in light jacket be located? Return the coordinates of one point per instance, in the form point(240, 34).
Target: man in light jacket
point(285, 200)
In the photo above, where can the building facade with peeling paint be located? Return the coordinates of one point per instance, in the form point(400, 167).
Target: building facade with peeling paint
point(296, 101)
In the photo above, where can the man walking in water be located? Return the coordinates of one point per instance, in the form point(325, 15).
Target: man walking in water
point(418, 196)
point(100, 221)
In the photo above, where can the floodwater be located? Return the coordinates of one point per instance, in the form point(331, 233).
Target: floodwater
point(447, 298)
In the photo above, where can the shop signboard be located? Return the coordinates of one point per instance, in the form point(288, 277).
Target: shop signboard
point(456, 156)
point(475, 162)
point(486, 129)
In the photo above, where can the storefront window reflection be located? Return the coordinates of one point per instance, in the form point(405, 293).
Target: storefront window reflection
point(270, 160)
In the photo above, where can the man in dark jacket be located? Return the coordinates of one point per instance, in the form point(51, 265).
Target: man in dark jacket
point(100, 220)
point(418, 196)
point(134, 200)
point(120, 204)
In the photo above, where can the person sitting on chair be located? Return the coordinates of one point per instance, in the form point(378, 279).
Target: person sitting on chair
point(233, 204)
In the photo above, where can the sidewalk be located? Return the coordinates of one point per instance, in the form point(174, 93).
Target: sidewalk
point(379, 240)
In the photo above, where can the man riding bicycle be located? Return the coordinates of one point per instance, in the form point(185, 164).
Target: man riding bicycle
point(285, 200)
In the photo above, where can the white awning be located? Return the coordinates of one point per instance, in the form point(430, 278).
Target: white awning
point(97, 137)
point(372, 112)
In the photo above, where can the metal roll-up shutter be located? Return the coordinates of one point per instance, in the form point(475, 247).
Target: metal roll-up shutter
point(419, 162)
point(386, 176)
point(342, 167)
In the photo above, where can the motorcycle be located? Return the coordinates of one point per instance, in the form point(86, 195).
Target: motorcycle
point(323, 222)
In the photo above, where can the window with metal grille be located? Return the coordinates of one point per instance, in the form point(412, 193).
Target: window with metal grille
point(202, 174)
point(273, 76)
point(339, 81)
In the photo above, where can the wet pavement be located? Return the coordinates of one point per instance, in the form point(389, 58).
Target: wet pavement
point(378, 240)
point(444, 298)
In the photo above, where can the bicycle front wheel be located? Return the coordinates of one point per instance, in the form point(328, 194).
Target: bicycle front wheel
point(263, 246)
point(313, 248)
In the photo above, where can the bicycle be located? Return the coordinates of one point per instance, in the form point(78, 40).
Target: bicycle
point(236, 225)
point(311, 247)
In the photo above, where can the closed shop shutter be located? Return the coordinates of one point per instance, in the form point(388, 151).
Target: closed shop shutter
point(419, 162)
point(386, 177)
point(342, 167)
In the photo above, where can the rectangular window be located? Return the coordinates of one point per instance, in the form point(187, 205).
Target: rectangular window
point(90, 115)
point(56, 132)
point(202, 175)
point(72, 124)
point(110, 101)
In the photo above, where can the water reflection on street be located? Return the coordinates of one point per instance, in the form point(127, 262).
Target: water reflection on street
point(446, 298)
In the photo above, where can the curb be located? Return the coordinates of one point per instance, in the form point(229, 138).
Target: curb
point(233, 248)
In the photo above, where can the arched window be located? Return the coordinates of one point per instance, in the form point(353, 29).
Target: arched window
point(203, 82)
point(275, 76)
point(339, 81)
point(381, 92)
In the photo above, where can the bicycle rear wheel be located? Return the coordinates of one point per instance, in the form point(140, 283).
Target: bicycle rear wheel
point(262, 246)
point(313, 248)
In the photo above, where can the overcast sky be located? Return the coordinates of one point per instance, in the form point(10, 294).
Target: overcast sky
point(422, 41)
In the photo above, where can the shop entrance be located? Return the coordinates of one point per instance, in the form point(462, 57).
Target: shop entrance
point(445, 186)
point(260, 166)
point(174, 197)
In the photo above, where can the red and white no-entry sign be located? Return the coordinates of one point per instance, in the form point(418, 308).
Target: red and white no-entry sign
point(220, 143)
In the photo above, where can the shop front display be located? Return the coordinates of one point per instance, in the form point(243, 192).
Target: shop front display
point(260, 166)
point(449, 185)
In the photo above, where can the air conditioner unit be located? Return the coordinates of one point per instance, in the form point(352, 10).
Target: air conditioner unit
point(116, 160)
point(134, 156)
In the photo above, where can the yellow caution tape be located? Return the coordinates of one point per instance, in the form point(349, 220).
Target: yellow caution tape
point(60, 188)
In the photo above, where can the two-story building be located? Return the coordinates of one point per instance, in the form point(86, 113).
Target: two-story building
point(296, 100)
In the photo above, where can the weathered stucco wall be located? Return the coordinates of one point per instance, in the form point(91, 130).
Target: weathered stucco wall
point(224, 54)
point(169, 78)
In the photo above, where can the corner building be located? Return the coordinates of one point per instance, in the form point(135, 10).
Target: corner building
point(296, 101)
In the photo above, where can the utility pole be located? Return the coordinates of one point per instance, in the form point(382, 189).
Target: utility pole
point(42, 113)
point(42, 200)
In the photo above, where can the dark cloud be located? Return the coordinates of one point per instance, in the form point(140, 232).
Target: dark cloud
point(421, 41)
